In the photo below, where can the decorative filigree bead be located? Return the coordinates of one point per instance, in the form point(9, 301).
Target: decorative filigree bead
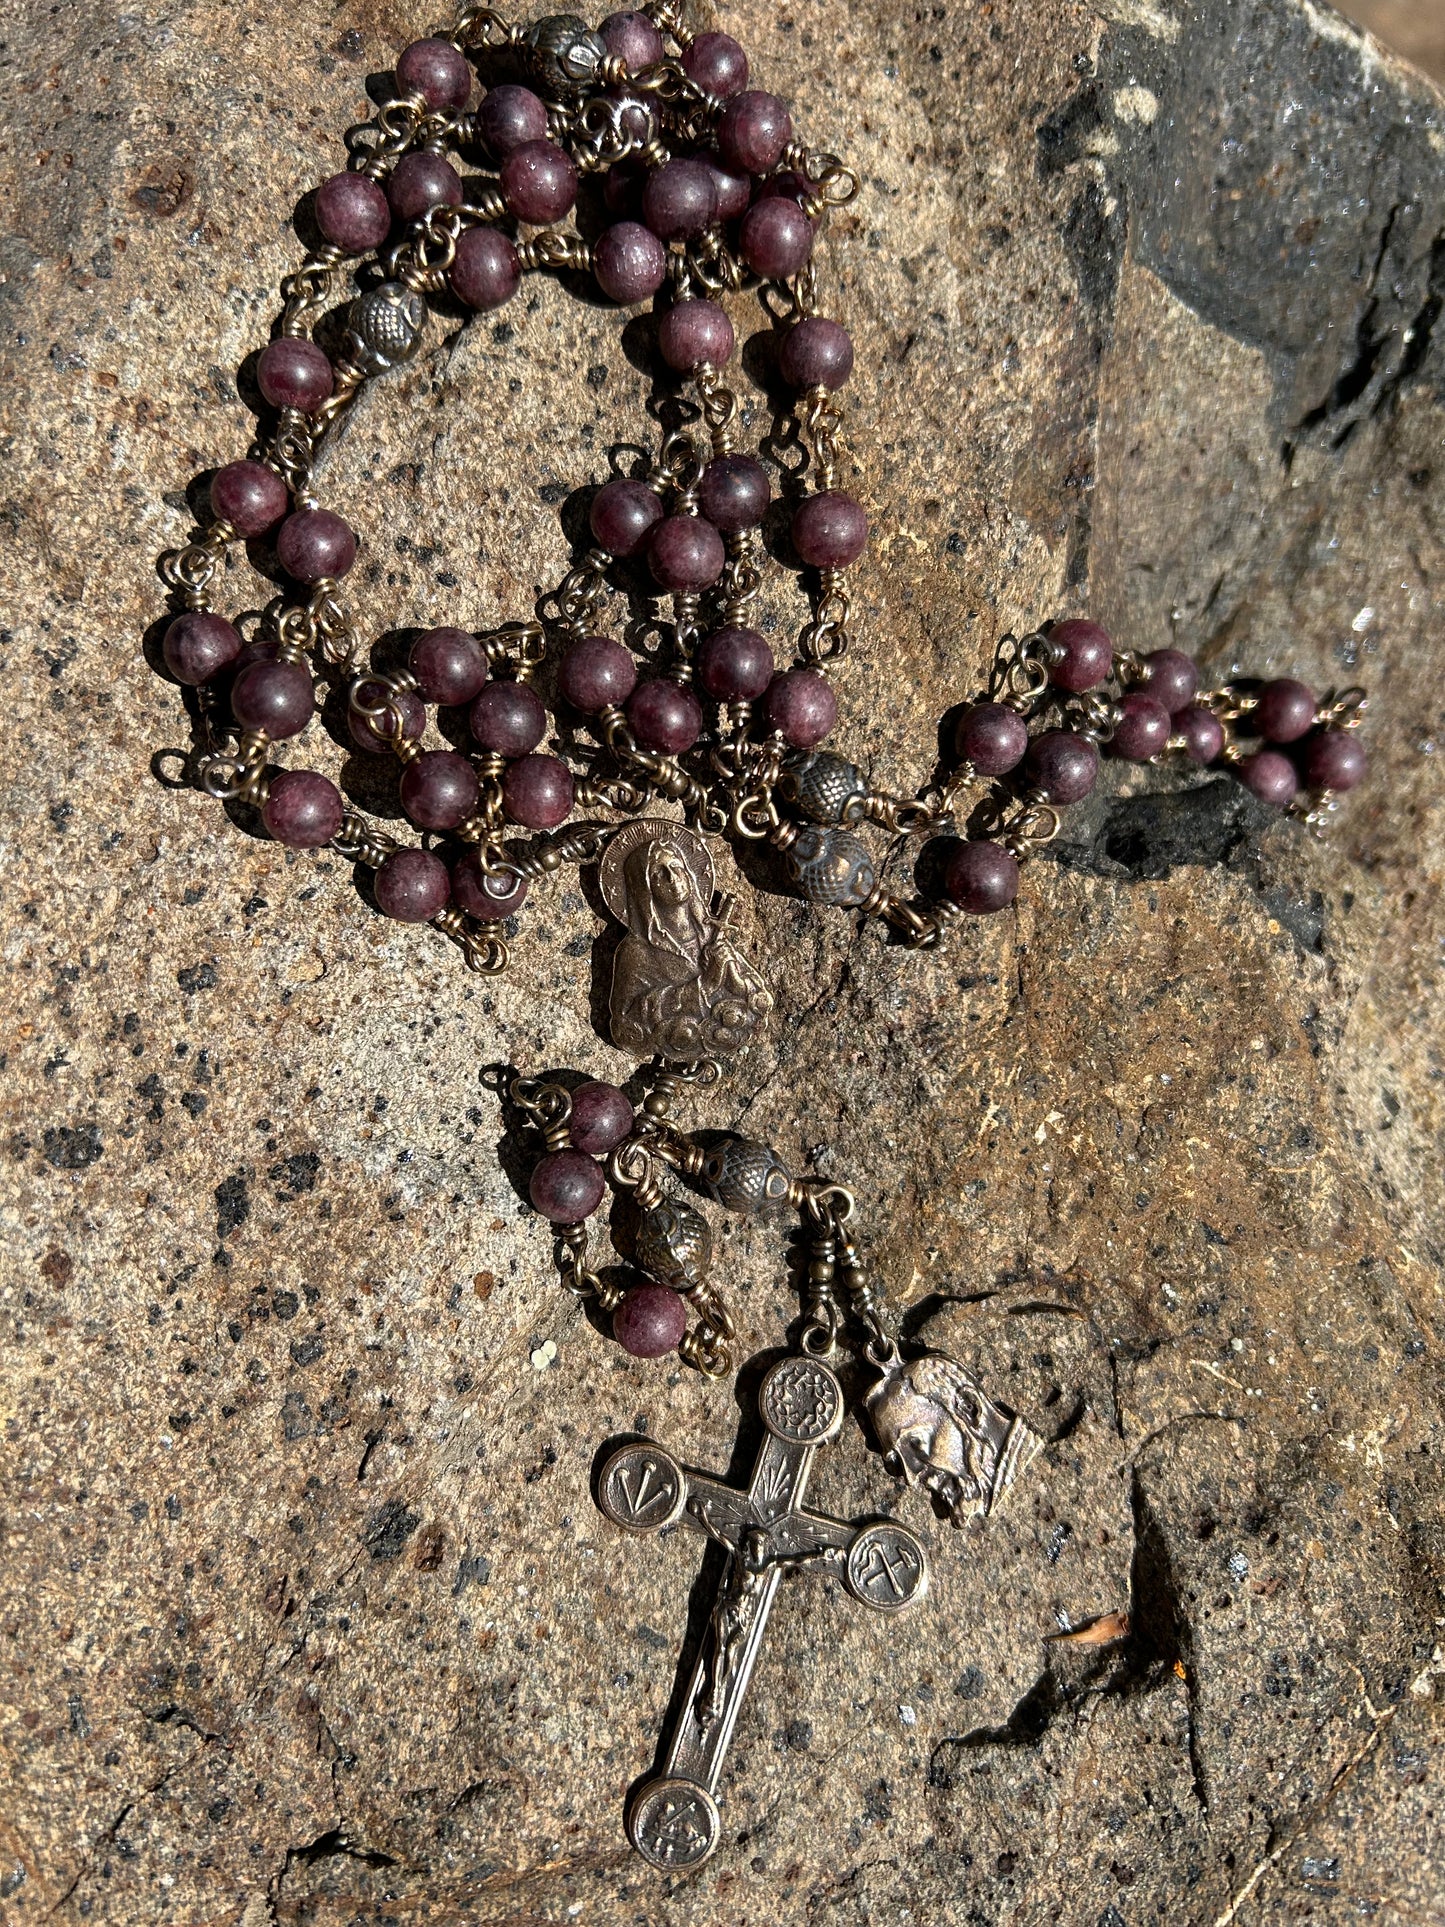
point(746, 1176)
point(832, 866)
point(386, 326)
point(826, 788)
point(674, 1244)
point(565, 52)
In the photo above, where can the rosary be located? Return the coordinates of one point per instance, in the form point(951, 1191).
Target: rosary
point(695, 187)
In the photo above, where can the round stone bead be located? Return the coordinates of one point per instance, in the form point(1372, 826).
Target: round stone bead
point(734, 190)
point(1271, 776)
point(437, 71)
point(1144, 727)
point(487, 898)
point(421, 181)
point(753, 130)
point(1202, 731)
point(629, 261)
point(1064, 766)
point(622, 186)
point(633, 39)
point(734, 493)
point(802, 704)
point(508, 118)
point(1286, 710)
point(302, 810)
point(408, 705)
point(567, 1186)
point(816, 353)
point(539, 182)
point(601, 1118)
point(623, 516)
point(993, 738)
point(680, 200)
point(314, 545)
point(1088, 655)
point(197, 647)
point(694, 332)
point(293, 373)
point(439, 789)
point(597, 673)
point(412, 886)
point(735, 665)
point(509, 717)
point(450, 666)
point(650, 1322)
point(664, 716)
point(776, 238)
point(717, 64)
point(744, 1175)
point(831, 866)
point(1171, 678)
point(538, 792)
point(685, 553)
point(353, 213)
point(823, 787)
point(829, 530)
point(486, 271)
point(278, 697)
point(250, 496)
point(981, 877)
point(1333, 759)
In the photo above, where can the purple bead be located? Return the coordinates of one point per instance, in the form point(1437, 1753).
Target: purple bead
point(278, 697)
point(685, 553)
point(437, 71)
point(421, 181)
point(623, 516)
point(633, 39)
point(567, 1186)
point(694, 332)
point(302, 810)
point(197, 647)
point(716, 63)
point(788, 184)
point(353, 213)
point(539, 182)
point(680, 200)
point(450, 666)
point(622, 186)
point(293, 373)
point(981, 878)
point(1144, 728)
point(734, 493)
point(993, 738)
point(1171, 678)
point(735, 665)
point(538, 792)
point(1333, 759)
point(486, 271)
point(752, 132)
point(509, 717)
point(509, 117)
point(801, 703)
point(734, 190)
point(315, 546)
point(629, 261)
point(601, 1118)
point(664, 716)
point(597, 673)
point(439, 789)
point(412, 886)
point(829, 530)
point(250, 496)
point(1088, 655)
point(1202, 731)
point(816, 353)
point(1271, 776)
point(1286, 711)
point(650, 1322)
point(776, 238)
point(408, 705)
point(487, 898)
point(1064, 766)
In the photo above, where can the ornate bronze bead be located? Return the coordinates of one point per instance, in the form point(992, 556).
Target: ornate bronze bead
point(674, 1244)
point(827, 788)
point(386, 325)
point(746, 1176)
point(832, 866)
point(565, 52)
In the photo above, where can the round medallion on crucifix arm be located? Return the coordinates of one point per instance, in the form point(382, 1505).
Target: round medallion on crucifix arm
point(642, 1488)
point(801, 1402)
point(887, 1567)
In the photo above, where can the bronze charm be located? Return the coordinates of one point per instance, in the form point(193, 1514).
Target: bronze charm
point(939, 1429)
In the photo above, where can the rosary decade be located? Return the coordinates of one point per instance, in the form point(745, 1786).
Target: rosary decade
point(696, 187)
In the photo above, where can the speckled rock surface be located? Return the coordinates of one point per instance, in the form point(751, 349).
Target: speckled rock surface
point(306, 1612)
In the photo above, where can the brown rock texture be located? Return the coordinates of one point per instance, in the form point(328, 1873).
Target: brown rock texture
point(306, 1611)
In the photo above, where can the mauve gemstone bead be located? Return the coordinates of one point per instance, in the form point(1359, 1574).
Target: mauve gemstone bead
point(302, 809)
point(1333, 759)
point(734, 190)
point(437, 71)
point(801, 703)
point(539, 182)
point(753, 130)
point(633, 39)
point(685, 553)
point(693, 332)
point(717, 64)
point(993, 738)
point(278, 697)
point(408, 706)
point(538, 792)
point(439, 789)
point(735, 665)
point(733, 492)
point(315, 545)
point(1286, 710)
point(198, 646)
point(250, 496)
point(509, 717)
point(1202, 731)
point(816, 353)
point(412, 886)
point(601, 1118)
point(680, 200)
point(421, 181)
point(450, 666)
point(353, 213)
point(1171, 678)
point(664, 716)
point(487, 898)
point(486, 271)
point(829, 530)
point(776, 238)
point(622, 186)
point(981, 877)
point(629, 261)
point(597, 673)
point(508, 117)
point(567, 1186)
point(1064, 766)
point(787, 183)
point(623, 516)
point(293, 373)
point(1088, 655)
point(650, 1322)
point(1271, 776)
point(1144, 728)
